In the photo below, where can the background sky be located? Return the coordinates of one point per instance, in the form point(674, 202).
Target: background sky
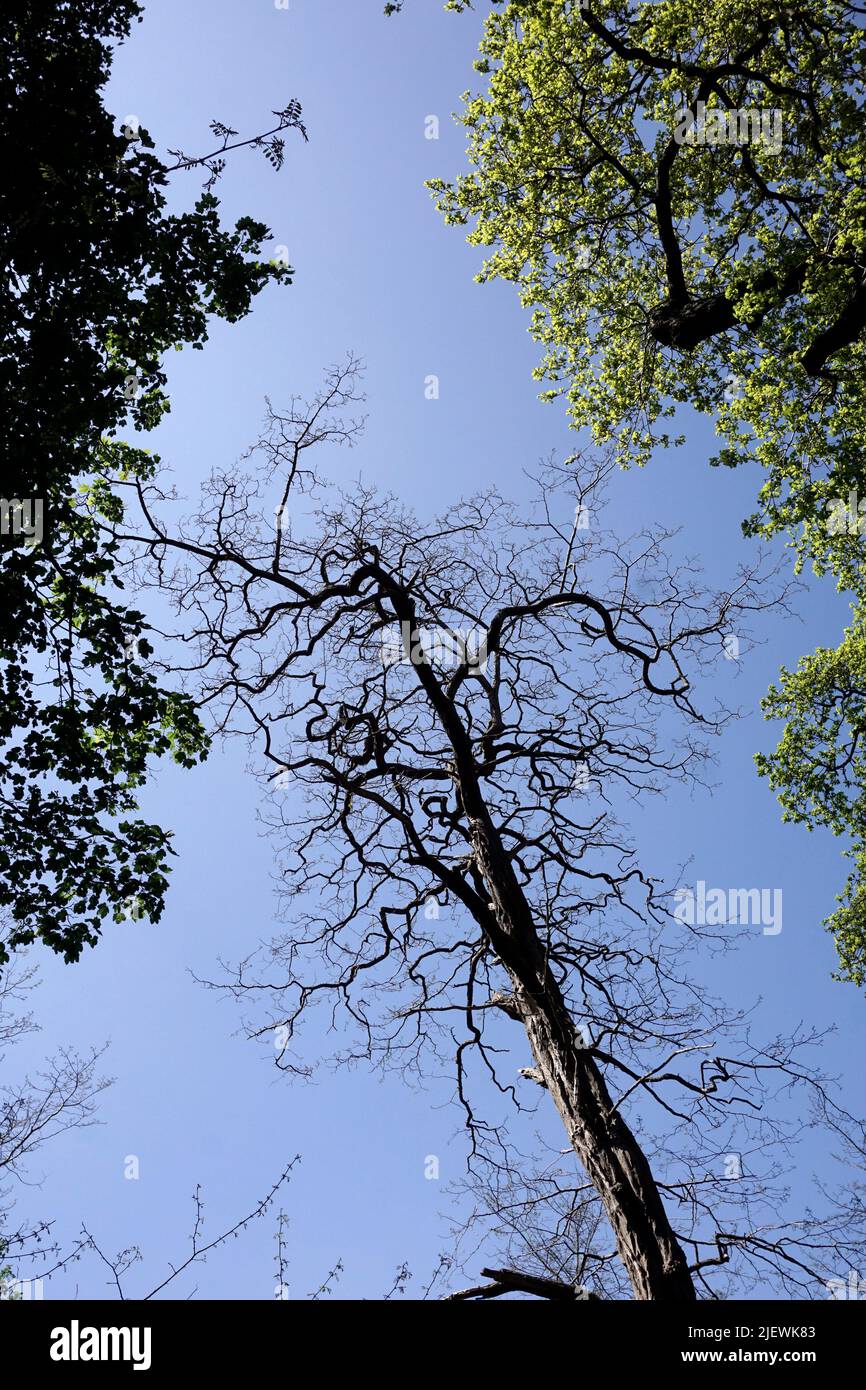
point(379, 273)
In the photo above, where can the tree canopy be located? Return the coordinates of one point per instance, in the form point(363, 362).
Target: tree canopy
point(99, 281)
point(677, 190)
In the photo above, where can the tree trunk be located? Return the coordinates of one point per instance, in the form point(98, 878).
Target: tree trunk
point(614, 1161)
point(616, 1164)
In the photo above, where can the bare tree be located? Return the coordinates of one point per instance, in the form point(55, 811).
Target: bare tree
point(540, 1224)
point(468, 707)
point(36, 1109)
point(119, 1265)
point(542, 1227)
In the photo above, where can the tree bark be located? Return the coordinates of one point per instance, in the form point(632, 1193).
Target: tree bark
point(685, 323)
point(614, 1161)
point(653, 1257)
point(515, 1281)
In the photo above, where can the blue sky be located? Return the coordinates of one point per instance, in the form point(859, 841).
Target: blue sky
point(376, 272)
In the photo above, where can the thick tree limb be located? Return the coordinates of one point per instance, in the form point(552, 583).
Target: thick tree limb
point(686, 325)
point(513, 1281)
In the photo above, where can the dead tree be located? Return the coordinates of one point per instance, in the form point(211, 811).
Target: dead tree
point(35, 1109)
point(466, 708)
